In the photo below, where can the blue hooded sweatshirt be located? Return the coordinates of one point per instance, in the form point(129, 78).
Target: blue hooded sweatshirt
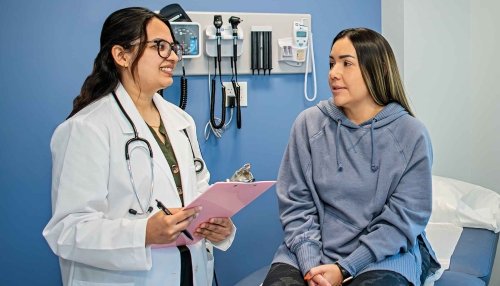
point(359, 195)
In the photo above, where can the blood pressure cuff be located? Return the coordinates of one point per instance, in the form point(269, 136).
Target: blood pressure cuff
point(175, 13)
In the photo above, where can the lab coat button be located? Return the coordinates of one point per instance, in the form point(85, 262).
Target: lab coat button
point(175, 169)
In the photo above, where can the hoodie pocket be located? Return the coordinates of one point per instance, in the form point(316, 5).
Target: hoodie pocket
point(339, 235)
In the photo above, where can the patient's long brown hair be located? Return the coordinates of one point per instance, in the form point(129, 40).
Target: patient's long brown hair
point(378, 66)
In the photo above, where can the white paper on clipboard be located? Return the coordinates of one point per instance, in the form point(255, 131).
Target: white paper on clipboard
point(222, 199)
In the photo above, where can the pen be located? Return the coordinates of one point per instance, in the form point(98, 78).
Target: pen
point(167, 212)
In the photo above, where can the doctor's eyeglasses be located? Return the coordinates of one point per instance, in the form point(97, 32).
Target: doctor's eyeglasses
point(165, 48)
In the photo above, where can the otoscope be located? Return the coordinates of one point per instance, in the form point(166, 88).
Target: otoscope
point(235, 21)
point(218, 25)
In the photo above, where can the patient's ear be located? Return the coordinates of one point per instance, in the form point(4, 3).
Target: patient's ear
point(121, 56)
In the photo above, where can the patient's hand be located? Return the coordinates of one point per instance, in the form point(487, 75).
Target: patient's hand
point(216, 229)
point(327, 274)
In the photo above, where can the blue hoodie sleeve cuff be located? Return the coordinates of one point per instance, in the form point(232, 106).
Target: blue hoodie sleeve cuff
point(357, 260)
point(308, 256)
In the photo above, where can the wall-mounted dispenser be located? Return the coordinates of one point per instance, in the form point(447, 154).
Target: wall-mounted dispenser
point(261, 49)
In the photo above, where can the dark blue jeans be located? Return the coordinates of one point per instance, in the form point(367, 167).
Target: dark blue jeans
point(282, 274)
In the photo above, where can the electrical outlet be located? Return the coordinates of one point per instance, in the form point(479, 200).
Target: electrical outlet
point(230, 92)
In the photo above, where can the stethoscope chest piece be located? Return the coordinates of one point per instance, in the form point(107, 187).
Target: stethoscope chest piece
point(198, 165)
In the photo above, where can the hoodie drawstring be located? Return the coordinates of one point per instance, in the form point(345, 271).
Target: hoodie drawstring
point(337, 145)
point(373, 166)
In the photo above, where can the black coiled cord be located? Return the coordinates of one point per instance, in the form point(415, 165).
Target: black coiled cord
point(184, 91)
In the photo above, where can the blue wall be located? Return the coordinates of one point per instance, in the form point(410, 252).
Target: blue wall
point(47, 49)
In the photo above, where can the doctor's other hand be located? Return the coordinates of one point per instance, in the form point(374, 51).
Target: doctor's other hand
point(163, 229)
point(216, 229)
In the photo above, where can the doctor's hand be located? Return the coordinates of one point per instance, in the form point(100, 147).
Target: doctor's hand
point(163, 229)
point(216, 229)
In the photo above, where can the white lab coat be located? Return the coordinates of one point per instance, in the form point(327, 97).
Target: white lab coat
point(98, 241)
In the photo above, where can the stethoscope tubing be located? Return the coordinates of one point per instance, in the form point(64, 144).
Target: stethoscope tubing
point(199, 165)
point(129, 166)
point(132, 181)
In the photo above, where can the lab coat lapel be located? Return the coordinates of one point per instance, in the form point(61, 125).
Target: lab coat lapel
point(159, 159)
point(174, 124)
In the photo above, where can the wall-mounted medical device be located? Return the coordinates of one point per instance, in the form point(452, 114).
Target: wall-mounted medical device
point(226, 40)
point(300, 34)
point(228, 46)
point(188, 35)
point(293, 50)
point(262, 49)
point(297, 50)
point(281, 25)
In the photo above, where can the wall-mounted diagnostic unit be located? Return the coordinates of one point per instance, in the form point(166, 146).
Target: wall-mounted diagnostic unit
point(188, 35)
point(300, 34)
point(293, 50)
point(226, 35)
point(272, 26)
point(222, 45)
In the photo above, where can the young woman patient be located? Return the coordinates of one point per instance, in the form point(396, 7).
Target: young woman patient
point(354, 187)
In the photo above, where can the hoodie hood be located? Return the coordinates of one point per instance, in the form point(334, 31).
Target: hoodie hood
point(388, 114)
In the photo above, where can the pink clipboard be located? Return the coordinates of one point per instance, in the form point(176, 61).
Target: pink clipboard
point(222, 199)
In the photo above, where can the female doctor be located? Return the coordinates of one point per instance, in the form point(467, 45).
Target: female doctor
point(122, 148)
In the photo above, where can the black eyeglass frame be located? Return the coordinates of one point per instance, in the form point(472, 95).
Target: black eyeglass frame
point(176, 48)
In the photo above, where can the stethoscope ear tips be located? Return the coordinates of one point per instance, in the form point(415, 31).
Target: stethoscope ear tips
point(150, 209)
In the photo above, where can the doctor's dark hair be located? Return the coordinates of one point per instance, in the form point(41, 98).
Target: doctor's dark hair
point(121, 28)
point(378, 66)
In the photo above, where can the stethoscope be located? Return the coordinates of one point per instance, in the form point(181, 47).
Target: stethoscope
point(198, 163)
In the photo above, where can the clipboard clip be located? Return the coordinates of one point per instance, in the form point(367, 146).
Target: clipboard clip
point(243, 175)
